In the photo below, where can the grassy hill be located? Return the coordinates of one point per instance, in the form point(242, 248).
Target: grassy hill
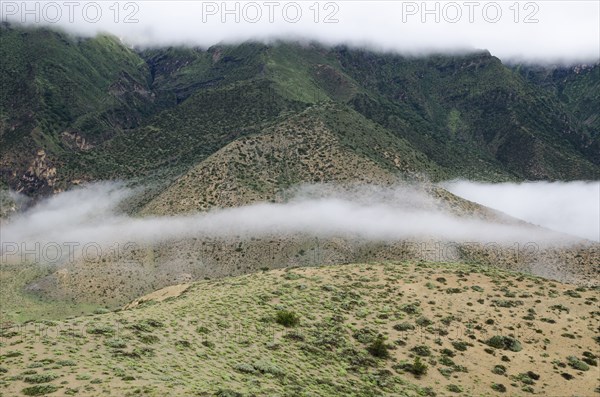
point(403, 328)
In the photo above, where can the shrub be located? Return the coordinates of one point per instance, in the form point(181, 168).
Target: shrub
point(504, 342)
point(378, 348)
point(287, 318)
point(421, 350)
point(410, 308)
point(590, 358)
point(577, 364)
point(567, 376)
point(101, 330)
point(417, 367)
point(404, 327)
point(507, 303)
point(454, 388)
point(246, 368)
point(448, 352)
point(525, 379)
point(267, 367)
point(460, 345)
point(39, 390)
point(147, 325)
point(183, 344)
point(572, 294)
point(202, 330)
point(499, 387)
point(365, 335)
point(499, 369)
point(447, 361)
point(228, 393)
point(423, 322)
point(148, 338)
point(40, 378)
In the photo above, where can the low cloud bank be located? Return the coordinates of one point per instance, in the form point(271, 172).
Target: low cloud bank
point(541, 31)
point(90, 215)
point(567, 207)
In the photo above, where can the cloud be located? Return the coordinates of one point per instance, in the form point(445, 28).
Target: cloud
point(568, 207)
point(90, 215)
point(540, 31)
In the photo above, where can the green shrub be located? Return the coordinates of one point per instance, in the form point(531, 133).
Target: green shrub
point(528, 389)
point(148, 338)
point(39, 390)
point(499, 387)
point(410, 308)
point(504, 342)
point(454, 388)
point(147, 325)
point(287, 318)
point(378, 348)
point(421, 350)
point(100, 330)
point(447, 352)
point(246, 368)
point(499, 369)
point(447, 361)
point(525, 379)
point(404, 327)
point(460, 345)
point(202, 330)
point(267, 367)
point(417, 367)
point(40, 378)
point(577, 364)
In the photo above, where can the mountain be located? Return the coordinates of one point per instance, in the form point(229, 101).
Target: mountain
point(578, 89)
point(76, 110)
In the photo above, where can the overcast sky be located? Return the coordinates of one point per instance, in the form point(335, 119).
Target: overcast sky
point(550, 31)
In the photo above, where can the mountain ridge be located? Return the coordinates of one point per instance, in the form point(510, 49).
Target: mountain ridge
point(156, 114)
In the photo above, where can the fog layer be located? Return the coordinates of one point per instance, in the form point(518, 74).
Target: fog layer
point(90, 215)
point(541, 31)
point(568, 207)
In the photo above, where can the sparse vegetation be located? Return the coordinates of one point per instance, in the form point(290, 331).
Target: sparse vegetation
point(349, 334)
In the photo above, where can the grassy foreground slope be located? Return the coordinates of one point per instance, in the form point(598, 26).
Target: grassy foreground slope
point(354, 330)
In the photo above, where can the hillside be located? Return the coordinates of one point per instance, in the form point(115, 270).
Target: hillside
point(76, 110)
point(327, 143)
point(410, 328)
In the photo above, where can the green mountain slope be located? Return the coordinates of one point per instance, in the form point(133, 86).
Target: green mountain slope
point(75, 110)
point(578, 90)
point(60, 95)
